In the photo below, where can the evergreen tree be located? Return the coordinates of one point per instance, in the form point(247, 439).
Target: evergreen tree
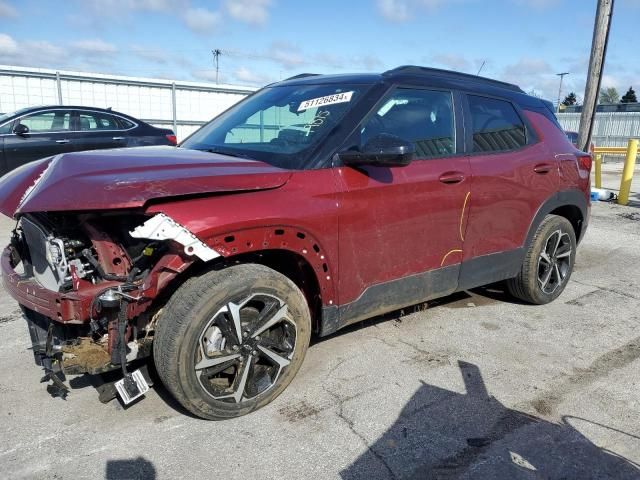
point(630, 96)
point(570, 100)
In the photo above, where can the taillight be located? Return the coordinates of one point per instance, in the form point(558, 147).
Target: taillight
point(584, 161)
point(172, 139)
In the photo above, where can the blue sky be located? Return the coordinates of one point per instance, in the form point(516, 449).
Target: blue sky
point(523, 41)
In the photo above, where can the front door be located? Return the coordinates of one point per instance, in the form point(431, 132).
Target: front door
point(49, 134)
point(402, 229)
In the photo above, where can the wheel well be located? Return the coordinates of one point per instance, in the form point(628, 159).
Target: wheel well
point(293, 266)
point(573, 214)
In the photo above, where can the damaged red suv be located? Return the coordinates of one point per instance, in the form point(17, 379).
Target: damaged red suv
point(314, 203)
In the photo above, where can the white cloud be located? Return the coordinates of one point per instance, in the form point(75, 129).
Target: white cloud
point(150, 54)
point(94, 47)
point(403, 10)
point(106, 7)
point(394, 10)
point(452, 61)
point(8, 46)
point(201, 20)
point(538, 4)
point(7, 11)
point(254, 12)
point(33, 53)
point(287, 55)
point(244, 75)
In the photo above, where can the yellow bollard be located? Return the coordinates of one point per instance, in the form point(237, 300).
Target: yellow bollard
point(598, 170)
point(627, 172)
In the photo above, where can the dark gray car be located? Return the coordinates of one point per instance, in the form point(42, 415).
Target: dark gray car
point(37, 132)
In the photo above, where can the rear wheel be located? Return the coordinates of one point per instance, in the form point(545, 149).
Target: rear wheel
point(548, 262)
point(230, 341)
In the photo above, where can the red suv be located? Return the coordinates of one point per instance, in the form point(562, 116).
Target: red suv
point(314, 203)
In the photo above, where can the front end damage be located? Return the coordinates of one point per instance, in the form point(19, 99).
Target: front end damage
point(90, 286)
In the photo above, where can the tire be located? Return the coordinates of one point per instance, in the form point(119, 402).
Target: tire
point(199, 357)
point(544, 263)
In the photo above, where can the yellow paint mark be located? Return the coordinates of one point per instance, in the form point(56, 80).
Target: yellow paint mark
point(464, 206)
point(457, 250)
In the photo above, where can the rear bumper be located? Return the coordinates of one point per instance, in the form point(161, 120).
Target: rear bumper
point(72, 307)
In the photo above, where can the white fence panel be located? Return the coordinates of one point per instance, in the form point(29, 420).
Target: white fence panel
point(612, 129)
point(150, 100)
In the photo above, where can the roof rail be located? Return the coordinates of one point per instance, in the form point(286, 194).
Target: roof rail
point(415, 69)
point(302, 75)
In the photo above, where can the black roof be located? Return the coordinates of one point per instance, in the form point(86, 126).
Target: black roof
point(424, 76)
point(403, 72)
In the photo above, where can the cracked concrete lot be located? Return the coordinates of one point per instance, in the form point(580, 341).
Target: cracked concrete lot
point(474, 386)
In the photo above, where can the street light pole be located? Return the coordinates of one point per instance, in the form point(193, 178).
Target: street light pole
point(561, 75)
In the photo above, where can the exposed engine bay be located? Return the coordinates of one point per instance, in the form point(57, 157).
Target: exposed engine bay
point(107, 269)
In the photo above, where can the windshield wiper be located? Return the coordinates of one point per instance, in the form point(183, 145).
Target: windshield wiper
point(224, 152)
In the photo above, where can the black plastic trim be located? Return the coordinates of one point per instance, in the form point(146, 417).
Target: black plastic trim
point(389, 296)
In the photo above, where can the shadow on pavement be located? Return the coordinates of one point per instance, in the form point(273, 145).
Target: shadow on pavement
point(130, 469)
point(442, 434)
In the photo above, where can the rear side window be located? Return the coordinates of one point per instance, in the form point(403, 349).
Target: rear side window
point(96, 121)
point(125, 124)
point(497, 127)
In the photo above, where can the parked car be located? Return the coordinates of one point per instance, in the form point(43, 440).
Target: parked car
point(315, 203)
point(573, 138)
point(37, 132)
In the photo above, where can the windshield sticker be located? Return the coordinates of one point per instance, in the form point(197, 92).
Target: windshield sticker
point(327, 100)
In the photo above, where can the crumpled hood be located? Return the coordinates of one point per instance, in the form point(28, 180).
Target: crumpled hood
point(128, 178)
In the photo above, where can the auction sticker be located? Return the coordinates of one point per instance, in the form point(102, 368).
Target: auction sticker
point(327, 100)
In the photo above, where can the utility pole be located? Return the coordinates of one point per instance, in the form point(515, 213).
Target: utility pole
point(216, 60)
point(601, 26)
point(561, 75)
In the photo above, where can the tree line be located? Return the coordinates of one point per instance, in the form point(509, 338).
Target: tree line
point(607, 96)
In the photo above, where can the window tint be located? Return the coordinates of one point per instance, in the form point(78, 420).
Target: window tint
point(6, 128)
point(96, 121)
point(424, 117)
point(496, 125)
point(54, 121)
point(125, 124)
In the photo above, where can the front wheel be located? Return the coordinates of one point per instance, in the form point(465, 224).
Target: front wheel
point(548, 262)
point(230, 341)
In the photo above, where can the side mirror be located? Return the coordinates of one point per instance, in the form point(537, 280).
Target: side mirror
point(21, 129)
point(383, 150)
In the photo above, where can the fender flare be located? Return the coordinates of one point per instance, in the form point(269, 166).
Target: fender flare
point(281, 237)
point(573, 198)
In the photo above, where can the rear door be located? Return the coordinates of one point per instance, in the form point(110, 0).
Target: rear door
point(98, 130)
point(513, 174)
point(402, 228)
point(49, 134)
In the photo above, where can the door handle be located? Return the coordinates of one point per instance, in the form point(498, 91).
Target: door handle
point(117, 138)
point(542, 168)
point(451, 177)
point(62, 141)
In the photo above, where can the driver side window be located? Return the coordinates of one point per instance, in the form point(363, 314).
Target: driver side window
point(423, 117)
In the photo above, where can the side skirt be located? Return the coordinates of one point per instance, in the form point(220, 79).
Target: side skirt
point(389, 296)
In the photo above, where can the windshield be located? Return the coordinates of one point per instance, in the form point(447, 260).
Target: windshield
point(6, 116)
point(279, 125)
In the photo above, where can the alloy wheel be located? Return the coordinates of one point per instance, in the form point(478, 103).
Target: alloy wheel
point(554, 262)
point(244, 348)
